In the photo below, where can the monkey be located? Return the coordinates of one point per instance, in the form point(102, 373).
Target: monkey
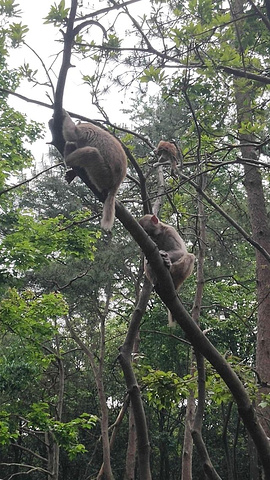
point(173, 250)
point(167, 152)
point(102, 157)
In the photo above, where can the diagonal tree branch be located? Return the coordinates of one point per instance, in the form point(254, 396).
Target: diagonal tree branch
point(166, 291)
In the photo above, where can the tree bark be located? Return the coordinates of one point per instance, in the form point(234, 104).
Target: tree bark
point(260, 231)
point(131, 449)
point(105, 472)
point(132, 435)
point(52, 445)
point(187, 453)
point(125, 352)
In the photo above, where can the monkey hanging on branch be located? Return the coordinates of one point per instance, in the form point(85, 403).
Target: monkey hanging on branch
point(101, 156)
point(173, 250)
point(168, 153)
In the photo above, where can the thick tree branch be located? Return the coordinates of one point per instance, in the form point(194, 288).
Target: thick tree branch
point(6, 190)
point(245, 74)
point(165, 290)
point(56, 125)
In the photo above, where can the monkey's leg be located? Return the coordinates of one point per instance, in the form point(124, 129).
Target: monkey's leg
point(174, 170)
point(69, 148)
point(182, 269)
point(149, 272)
point(100, 175)
point(97, 170)
point(81, 157)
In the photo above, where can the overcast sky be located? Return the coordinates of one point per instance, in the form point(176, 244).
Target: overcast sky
point(43, 39)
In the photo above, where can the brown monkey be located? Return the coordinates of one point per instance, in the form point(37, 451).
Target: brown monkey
point(167, 152)
point(101, 156)
point(173, 250)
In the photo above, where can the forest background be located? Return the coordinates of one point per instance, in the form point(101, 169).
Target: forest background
point(93, 382)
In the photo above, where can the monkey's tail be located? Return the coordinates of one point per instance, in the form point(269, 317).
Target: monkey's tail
point(107, 220)
point(171, 322)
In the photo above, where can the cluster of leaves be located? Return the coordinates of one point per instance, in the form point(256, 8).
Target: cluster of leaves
point(67, 433)
point(58, 14)
point(34, 243)
point(39, 419)
point(30, 315)
point(165, 390)
point(6, 434)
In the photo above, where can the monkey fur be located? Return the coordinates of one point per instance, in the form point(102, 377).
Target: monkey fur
point(101, 156)
point(168, 153)
point(173, 250)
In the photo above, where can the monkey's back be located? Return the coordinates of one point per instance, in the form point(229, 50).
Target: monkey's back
point(168, 239)
point(108, 146)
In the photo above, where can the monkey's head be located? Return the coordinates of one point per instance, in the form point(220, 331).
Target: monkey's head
point(167, 149)
point(149, 223)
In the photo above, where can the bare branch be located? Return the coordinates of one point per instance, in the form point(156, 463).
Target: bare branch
point(43, 65)
point(116, 6)
point(230, 219)
point(82, 25)
point(29, 179)
point(23, 465)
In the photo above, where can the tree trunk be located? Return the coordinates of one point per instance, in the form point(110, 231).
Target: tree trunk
point(105, 472)
point(52, 445)
point(261, 234)
point(53, 456)
point(253, 460)
point(131, 448)
point(125, 352)
point(187, 453)
point(260, 229)
point(132, 436)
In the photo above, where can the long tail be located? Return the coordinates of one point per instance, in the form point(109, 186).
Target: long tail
point(171, 322)
point(107, 220)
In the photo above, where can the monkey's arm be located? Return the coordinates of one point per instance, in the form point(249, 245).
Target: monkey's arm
point(69, 148)
point(166, 258)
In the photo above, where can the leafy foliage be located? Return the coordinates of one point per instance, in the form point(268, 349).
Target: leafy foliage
point(58, 14)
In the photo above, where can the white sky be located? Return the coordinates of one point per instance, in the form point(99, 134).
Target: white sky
point(42, 38)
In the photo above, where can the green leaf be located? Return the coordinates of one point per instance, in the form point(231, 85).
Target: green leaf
point(58, 14)
point(17, 33)
point(9, 8)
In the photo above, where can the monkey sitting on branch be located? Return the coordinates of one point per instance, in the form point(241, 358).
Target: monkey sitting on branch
point(102, 158)
point(169, 153)
point(173, 250)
